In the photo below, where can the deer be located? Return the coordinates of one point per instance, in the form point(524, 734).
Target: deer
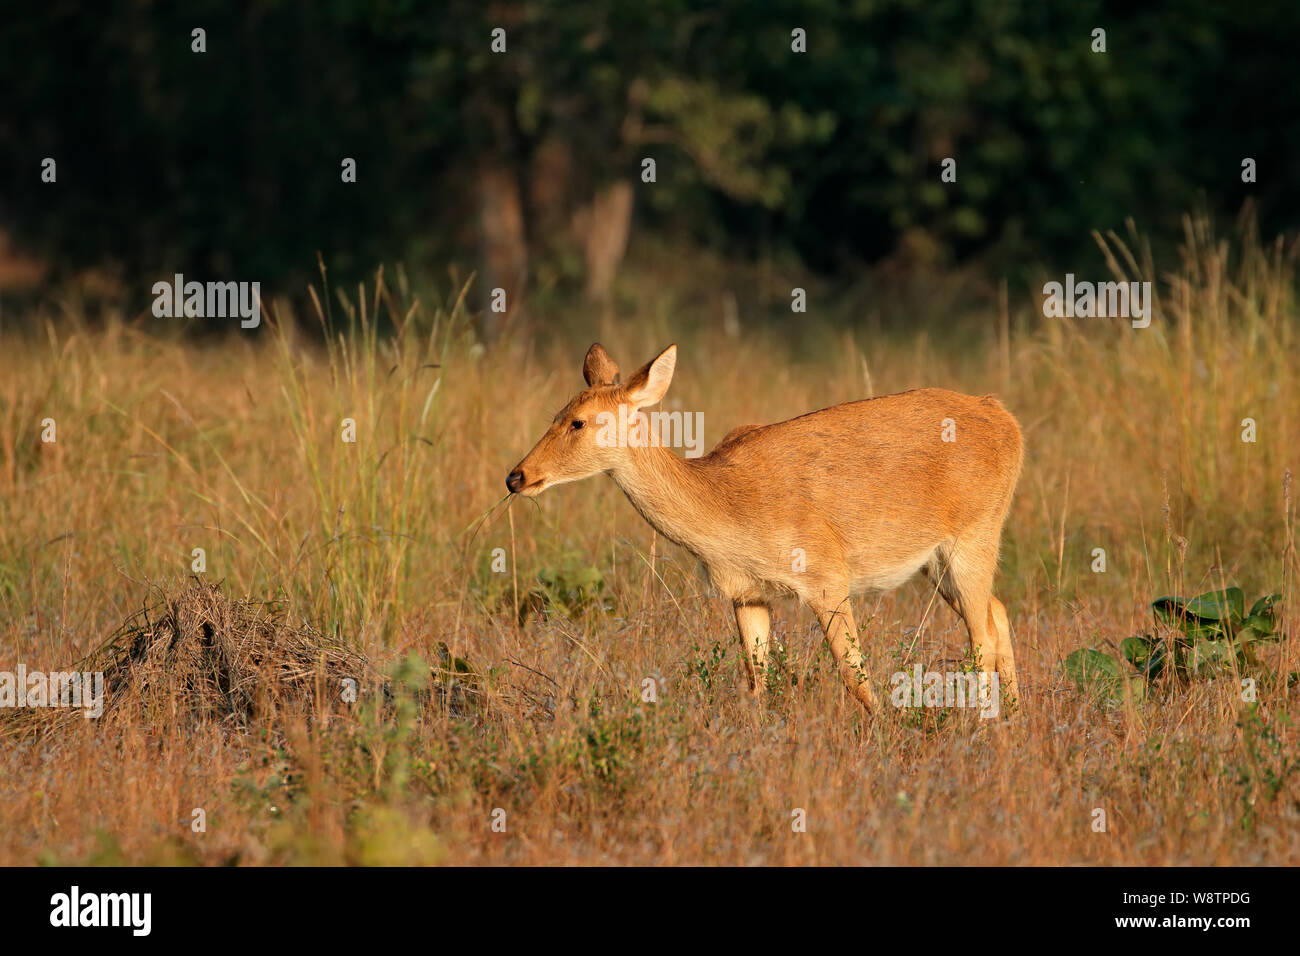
point(858, 497)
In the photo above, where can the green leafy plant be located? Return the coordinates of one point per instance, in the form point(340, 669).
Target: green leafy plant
point(706, 664)
point(1202, 637)
point(1102, 673)
point(571, 590)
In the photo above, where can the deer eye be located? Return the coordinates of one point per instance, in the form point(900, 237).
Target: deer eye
point(576, 424)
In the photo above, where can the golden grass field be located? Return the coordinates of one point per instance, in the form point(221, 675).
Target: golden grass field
point(166, 444)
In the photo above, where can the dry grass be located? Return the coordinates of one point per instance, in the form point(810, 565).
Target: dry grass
point(196, 656)
point(1133, 441)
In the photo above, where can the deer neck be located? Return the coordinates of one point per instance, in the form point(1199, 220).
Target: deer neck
point(673, 495)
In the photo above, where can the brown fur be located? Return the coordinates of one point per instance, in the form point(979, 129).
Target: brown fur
point(855, 497)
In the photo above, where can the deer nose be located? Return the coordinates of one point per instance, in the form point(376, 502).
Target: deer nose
point(515, 480)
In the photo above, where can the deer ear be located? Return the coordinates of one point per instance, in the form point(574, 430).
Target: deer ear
point(598, 368)
point(651, 381)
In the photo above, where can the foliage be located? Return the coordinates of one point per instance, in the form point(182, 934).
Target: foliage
point(228, 161)
point(571, 589)
point(1203, 637)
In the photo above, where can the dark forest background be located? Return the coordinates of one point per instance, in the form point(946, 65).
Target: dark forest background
point(526, 166)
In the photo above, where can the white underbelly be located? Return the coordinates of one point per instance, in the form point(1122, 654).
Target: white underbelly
point(889, 577)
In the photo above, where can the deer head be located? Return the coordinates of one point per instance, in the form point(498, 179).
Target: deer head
point(578, 445)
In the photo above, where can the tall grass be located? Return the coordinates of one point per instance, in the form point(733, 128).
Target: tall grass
point(165, 445)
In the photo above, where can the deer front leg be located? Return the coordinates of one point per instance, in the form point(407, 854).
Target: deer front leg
point(755, 624)
point(836, 619)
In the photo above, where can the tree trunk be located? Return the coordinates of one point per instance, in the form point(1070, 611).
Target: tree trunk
point(504, 245)
point(607, 224)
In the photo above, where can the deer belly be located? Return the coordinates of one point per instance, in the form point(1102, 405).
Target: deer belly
point(886, 575)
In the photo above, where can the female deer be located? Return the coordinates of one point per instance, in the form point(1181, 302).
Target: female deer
point(855, 497)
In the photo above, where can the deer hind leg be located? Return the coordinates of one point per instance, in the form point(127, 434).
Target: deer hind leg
point(963, 574)
point(754, 622)
point(836, 618)
point(1006, 658)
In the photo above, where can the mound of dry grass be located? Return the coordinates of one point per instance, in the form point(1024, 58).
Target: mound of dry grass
point(197, 655)
point(200, 654)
